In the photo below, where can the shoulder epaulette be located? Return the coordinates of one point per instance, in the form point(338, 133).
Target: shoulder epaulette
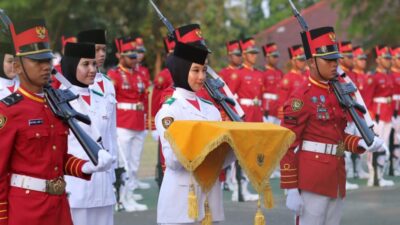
point(170, 101)
point(206, 101)
point(12, 99)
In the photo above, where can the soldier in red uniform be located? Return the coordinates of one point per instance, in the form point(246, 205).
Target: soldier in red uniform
point(130, 91)
point(382, 90)
point(248, 84)
point(359, 69)
point(295, 78)
point(346, 62)
point(395, 70)
point(315, 174)
point(273, 77)
point(235, 61)
point(34, 141)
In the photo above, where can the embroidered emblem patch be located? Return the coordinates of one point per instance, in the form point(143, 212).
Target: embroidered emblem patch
point(297, 105)
point(3, 121)
point(260, 160)
point(167, 121)
point(41, 32)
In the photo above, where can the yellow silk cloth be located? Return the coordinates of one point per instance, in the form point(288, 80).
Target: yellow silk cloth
point(201, 147)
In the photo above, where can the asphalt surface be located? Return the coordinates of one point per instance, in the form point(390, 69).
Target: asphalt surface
point(364, 206)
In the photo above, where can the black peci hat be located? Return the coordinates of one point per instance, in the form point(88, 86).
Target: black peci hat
point(191, 53)
point(80, 50)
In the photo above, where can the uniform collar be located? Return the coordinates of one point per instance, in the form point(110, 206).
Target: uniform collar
point(31, 96)
point(381, 71)
point(395, 70)
point(296, 71)
point(358, 71)
point(268, 67)
point(126, 70)
point(81, 90)
point(318, 83)
point(248, 67)
point(190, 95)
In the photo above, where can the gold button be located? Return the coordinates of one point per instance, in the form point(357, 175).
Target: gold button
point(45, 106)
point(52, 126)
point(54, 147)
point(37, 135)
point(334, 108)
point(317, 156)
point(27, 192)
point(66, 132)
point(56, 168)
point(335, 125)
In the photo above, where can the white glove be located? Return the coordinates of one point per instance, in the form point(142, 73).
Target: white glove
point(154, 135)
point(294, 201)
point(377, 146)
point(105, 162)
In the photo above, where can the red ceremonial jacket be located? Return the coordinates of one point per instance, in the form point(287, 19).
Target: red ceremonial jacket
point(248, 85)
point(34, 143)
point(314, 114)
point(130, 91)
point(382, 88)
point(162, 81)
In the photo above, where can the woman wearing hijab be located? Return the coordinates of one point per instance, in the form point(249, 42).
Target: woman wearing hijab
point(8, 81)
point(188, 70)
point(91, 202)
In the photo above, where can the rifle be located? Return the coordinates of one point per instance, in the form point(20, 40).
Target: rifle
point(343, 93)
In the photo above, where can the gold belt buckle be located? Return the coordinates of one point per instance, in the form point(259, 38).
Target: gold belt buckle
point(140, 106)
point(340, 149)
point(55, 186)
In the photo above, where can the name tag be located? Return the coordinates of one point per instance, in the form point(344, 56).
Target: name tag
point(34, 122)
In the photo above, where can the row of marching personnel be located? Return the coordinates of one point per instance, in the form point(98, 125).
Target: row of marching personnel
point(39, 149)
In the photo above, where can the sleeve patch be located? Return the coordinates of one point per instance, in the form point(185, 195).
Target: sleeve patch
point(290, 120)
point(297, 104)
point(3, 121)
point(167, 121)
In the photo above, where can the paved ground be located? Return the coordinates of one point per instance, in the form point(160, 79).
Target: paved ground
point(366, 206)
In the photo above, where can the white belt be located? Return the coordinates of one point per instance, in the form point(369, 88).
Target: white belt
point(396, 97)
point(130, 106)
point(318, 147)
point(383, 100)
point(26, 182)
point(250, 102)
point(270, 96)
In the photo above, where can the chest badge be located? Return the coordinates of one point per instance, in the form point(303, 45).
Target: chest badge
point(297, 105)
point(34, 122)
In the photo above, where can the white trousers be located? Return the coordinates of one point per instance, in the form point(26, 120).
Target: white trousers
point(320, 210)
point(93, 216)
point(131, 144)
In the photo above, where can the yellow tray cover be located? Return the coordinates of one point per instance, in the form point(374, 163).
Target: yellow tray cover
point(201, 147)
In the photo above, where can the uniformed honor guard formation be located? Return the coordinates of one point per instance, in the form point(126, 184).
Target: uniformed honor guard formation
point(75, 159)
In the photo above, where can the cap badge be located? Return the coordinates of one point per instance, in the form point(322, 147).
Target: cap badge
point(332, 36)
point(41, 32)
point(198, 33)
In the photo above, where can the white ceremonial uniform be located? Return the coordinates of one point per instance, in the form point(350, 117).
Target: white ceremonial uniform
point(92, 202)
point(108, 91)
point(172, 205)
point(8, 87)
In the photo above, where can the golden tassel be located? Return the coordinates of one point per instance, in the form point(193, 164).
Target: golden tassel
point(193, 209)
point(207, 214)
point(268, 198)
point(259, 218)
